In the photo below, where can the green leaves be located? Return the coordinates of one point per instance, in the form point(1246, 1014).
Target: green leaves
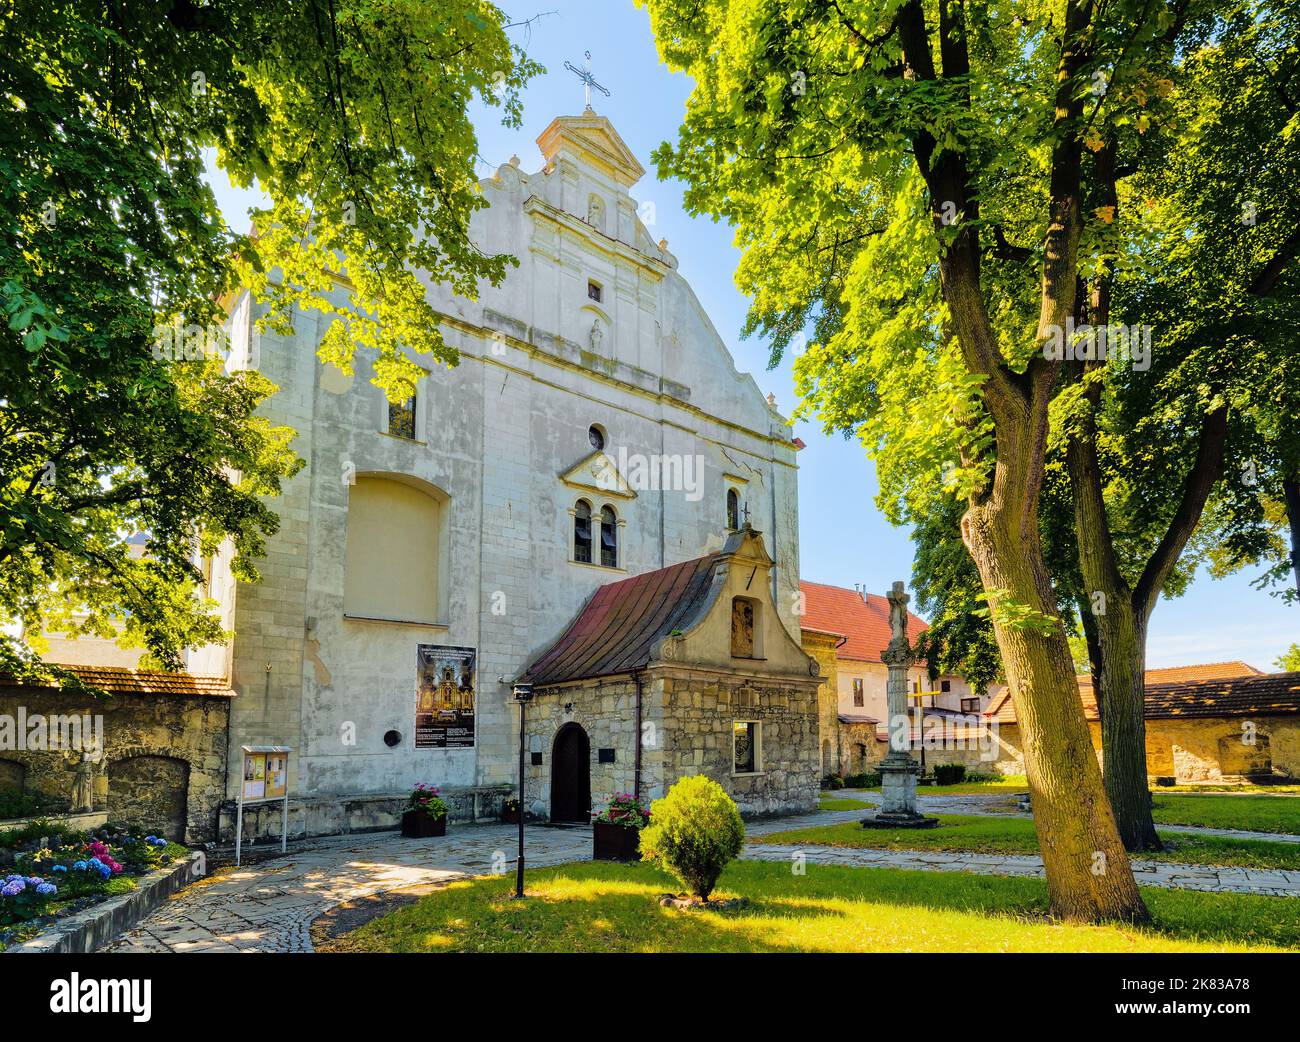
point(119, 470)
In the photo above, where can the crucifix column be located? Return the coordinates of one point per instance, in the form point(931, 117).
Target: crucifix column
point(897, 772)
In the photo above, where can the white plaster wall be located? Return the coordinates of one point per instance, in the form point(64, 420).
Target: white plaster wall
point(495, 434)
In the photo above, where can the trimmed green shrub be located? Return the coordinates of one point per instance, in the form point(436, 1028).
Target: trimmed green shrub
point(949, 773)
point(693, 832)
point(868, 780)
point(832, 781)
point(984, 777)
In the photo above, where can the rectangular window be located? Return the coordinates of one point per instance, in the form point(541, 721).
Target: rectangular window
point(401, 419)
point(857, 691)
point(970, 705)
point(593, 292)
point(945, 685)
point(746, 735)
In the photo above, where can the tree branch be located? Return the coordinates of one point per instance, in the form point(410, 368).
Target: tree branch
point(1196, 490)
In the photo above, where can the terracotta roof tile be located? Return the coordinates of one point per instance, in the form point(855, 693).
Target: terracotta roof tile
point(833, 609)
point(119, 681)
point(1237, 690)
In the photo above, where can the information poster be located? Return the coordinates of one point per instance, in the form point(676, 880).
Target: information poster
point(277, 774)
point(254, 775)
point(444, 697)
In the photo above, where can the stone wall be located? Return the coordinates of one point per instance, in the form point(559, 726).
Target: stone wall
point(606, 711)
point(687, 725)
point(1198, 750)
point(821, 646)
point(332, 816)
point(696, 733)
point(163, 763)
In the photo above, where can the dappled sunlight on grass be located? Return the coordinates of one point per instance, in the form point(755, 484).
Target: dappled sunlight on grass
point(614, 908)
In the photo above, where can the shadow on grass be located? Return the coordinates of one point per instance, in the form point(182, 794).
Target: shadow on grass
point(602, 907)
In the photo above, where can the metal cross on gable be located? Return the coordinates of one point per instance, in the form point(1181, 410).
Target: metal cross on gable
point(588, 80)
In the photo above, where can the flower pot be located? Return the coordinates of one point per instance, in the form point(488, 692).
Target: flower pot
point(511, 817)
point(418, 825)
point(615, 842)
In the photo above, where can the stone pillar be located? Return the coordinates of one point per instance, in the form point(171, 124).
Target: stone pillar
point(897, 772)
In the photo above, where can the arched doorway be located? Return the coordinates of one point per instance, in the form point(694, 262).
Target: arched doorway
point(571, 775)
point(150, 791)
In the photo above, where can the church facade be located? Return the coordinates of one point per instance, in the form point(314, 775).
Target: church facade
point(595, 430)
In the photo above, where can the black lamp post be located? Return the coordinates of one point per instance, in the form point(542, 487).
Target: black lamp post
point(523, 694)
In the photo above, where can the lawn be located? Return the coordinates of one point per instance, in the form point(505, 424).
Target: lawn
point(602, 907)
point(994, 835)
point(1252, 813)
point(839, 803)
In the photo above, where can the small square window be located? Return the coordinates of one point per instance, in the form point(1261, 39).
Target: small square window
point(970, 705)
point(945, 685)
point(593, 291)
point(745, 746)
point(401, 419)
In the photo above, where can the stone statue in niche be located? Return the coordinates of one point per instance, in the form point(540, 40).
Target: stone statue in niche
point(596, 335)
point(742, 628)
point(596, 213)
point(83, 786)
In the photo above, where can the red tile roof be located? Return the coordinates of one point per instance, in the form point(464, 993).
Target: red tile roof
point(119, 681)
point(1238, 690)
point(618, 629)
point(833, 609)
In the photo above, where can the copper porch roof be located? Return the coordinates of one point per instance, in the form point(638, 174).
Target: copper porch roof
point(619, 628)
point(120, 681)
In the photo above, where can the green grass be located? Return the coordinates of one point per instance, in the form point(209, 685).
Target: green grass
point(597, 906)
point(1251, 813)
point(994, 835)
point(842, 803)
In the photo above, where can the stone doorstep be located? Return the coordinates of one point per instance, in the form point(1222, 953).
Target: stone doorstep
point(100, 924)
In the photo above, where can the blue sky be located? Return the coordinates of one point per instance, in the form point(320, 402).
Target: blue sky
point(843, 538)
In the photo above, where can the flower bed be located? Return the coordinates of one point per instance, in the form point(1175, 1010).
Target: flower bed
point(48, 870)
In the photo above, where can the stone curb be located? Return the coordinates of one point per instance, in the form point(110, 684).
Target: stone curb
point(100, 924)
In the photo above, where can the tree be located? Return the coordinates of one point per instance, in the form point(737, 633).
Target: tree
point(351, 114)
point(1289, 660)
point(911, 179)
point(1181, 251)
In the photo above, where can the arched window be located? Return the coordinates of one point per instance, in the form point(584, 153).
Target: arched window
point(733, 509)
point(392, 552)
point(596, 436)
point(582, 532)
point(608, 537)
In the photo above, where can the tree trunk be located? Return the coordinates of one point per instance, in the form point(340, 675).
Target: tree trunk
point(1291, 496)
point(1088, 874)
point(1123, 725)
